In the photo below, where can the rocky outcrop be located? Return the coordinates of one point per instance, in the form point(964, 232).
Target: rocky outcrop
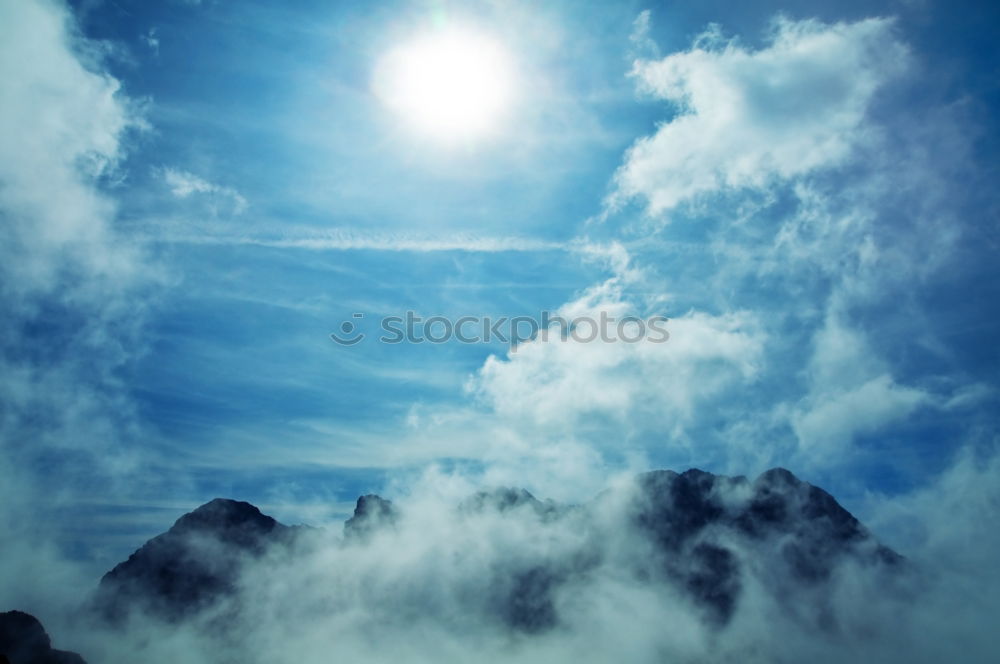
point(370, 513)
point(703, 524)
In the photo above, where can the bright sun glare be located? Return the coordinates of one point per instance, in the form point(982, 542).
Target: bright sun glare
point(454, 85)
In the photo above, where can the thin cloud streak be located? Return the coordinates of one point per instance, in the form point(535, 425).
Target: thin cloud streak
point(351, 241)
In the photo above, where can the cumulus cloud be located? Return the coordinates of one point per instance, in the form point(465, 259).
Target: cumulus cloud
point(745, 117)
point(555, 380)
point(556, 383)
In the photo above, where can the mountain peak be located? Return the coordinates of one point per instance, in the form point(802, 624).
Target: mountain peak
point(225, 513)
point(231, 522)
point(191, 563)
point(370, 513)
point(778, 475)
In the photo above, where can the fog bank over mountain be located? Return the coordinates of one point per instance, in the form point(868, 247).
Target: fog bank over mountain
point(684, 567)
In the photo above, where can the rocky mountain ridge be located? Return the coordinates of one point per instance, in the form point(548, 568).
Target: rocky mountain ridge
point(695, 523)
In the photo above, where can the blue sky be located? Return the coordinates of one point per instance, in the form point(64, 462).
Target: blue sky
point(198, 193)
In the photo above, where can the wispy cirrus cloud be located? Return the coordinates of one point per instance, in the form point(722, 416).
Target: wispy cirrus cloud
point(349, 239)
point(183, 185)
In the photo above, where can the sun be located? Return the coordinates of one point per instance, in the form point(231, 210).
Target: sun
point(454, 85)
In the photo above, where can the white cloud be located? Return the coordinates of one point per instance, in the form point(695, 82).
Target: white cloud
point(642, 44)
point(66, 281)
point(555, 383)
point(851, 393)
point(62, 122)
point(835, 419)
point(942, 526)
point(746, 117)
point(183, 184)
point(151, 40)
point(941, 522)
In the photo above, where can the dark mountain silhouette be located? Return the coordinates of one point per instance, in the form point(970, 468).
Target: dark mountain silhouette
point(193, 563)
point(23, 641)
point(703, 533)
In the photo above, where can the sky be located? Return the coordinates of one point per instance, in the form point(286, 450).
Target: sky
point(195, 195)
